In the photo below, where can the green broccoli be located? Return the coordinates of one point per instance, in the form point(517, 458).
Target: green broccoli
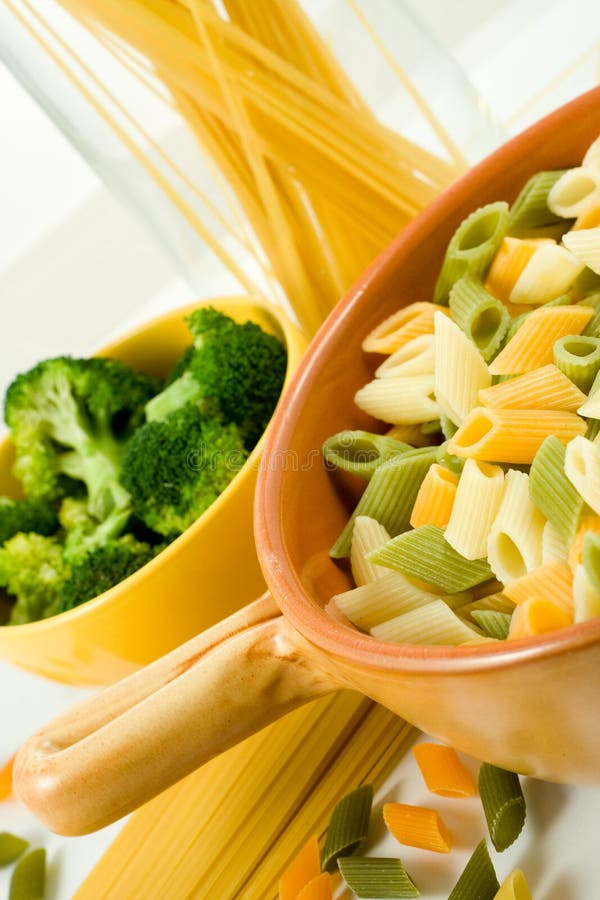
point(235, 371)
point(33, 570)
point(174, 468)
point(26, 515)
point(69, 420)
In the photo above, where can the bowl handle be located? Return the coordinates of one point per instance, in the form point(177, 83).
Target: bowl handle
point(124, 745)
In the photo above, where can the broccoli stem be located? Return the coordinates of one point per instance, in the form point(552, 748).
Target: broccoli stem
point(100, 476)
point(184, 390)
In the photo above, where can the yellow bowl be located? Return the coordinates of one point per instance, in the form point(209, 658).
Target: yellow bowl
point(204, 575)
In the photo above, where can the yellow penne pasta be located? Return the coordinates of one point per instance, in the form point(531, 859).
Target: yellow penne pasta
point(532, 346)
point(512, 435)
point(442, 771)
point(514, 887)
point(585, 246)
point(414, 358)
point(434, 623)
point(476, 505)
point(460, 370)
point(417, 826)
point(538, 616)
point(550, 272)
point(543, 388)
point(401, 327)
point(589, 216)
point(508, 263)
point(554, 581)
point(515, 541)
point(586, 599)
point(434, 501)
point(588, 522)
point(582, 468)
point(554, 548)
point(379, 601)
point(569, 194)
point(399, 401)
point(368, 534)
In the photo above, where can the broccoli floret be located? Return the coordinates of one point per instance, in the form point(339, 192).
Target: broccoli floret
point(101, 568)
point(26, 515)
point(34, 571)
point(235, 370)
point(176, 467)
point(70, 419)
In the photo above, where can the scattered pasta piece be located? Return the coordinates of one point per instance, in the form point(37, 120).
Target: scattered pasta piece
point(348, 825)
point(443, 772)
point(478, 878)
point(6, 779)
point(377, 877)
point(514, 887)
point(320, 888)
point(417, 826)
point(304, 868)
point(503, 804)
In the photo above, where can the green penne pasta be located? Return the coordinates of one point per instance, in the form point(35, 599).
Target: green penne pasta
point(586, 284)
point(591, 558)
point(11, 847)
point(503, 804)
point(432, 427)
point(360, 452)
point(552, 492)
point(493, 623)
point(377, 877)
point(578, 357)
point(448, 428)
point(348, 826)
point(424, 553)
point(390, 495)
point(530, 209)
point(478, 880)
point(472, 247)
point(593, 429)
point(29, 876)
point(483, 318)
point(592, 329)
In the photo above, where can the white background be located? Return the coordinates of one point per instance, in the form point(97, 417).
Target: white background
point(77, 267)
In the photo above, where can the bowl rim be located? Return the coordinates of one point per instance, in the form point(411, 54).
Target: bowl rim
point(292, 338)
point(313, 622)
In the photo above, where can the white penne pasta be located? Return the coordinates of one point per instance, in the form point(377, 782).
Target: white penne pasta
point(569, 194)
point(414, 358)
point(368, 534)
point(543, 388)
point(508, 263)
point(434, 623)
point(586, 599)
point(550, 272)
point(584, 244)
point(515, 540)
point(533, 344)
point(476, 504)
point(582, 468)
point(399, 401)
point(377, 601)
point(591, 160)
point(554, 548)
point(589, 216)
point(460, 370)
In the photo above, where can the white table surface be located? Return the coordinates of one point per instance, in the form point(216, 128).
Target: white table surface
point(58, 228)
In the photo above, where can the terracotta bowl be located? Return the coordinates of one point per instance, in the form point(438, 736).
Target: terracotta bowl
point(530, 706)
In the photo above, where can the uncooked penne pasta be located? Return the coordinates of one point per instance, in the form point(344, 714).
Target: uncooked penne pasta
point(589, 216)
point(515, 541)
point(591, 159)
point(434, 623)
point(512, 435)
point(588, 521)
point(568, 195)
point(532, 345)
point(368, 534)
point(584, 244)
point(582, 467)
point(399, 401)
point(586, 599)
point(543, 388)
point(414, 358)
point(550, 272)
point(417, 826)
point(554, 547)
point(508, 263)
point(378, 601)
point(401, 327)
point(538, 615)
point(554, 580)
point(435, 499)
point(460, 370)
point(477, 501)
point(514, 887)
point(442, 770)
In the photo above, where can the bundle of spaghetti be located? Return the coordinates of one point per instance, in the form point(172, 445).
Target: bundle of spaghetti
point(236, 822)
point(322, 184)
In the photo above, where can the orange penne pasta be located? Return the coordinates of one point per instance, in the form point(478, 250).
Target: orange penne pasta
point(442, 770)
point(320, 888)
point(588, 522)
point(532, 346)
point(303, 869)
point(6, 779)
point(417, 826)
point(544, 388)
point(512, 435)
point(537, 616)
point(508, 263)
point(401, 327)
point(435, 499)
point(553, 581)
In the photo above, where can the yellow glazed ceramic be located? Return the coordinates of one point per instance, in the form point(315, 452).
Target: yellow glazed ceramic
point(204, 575)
